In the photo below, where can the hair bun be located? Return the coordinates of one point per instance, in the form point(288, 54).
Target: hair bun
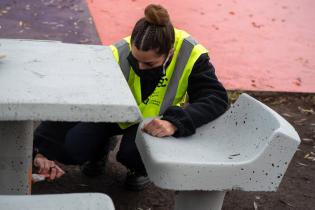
point(157, 15)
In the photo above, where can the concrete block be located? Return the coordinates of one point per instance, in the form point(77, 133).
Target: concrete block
point(16, 143)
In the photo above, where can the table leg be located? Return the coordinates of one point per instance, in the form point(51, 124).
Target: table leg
point(16, 143)
point(199, 200)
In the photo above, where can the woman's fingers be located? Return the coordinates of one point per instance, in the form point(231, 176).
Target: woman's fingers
point(148, 127)
point(161, 134)
point(53, 173)
point(156, 131)
point(159, 128)
point(60, 172)
point(151, 126)
point(48, 168)
point(39, 163)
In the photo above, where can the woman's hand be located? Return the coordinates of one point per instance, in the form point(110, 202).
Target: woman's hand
point(47, 168)
point(159, 128)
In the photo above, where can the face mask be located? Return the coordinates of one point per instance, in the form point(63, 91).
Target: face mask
point(147, 74)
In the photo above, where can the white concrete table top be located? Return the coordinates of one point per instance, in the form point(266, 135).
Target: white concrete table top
point(50, 80)
point(53, 81)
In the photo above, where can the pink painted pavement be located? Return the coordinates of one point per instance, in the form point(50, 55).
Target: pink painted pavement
point(255, 45)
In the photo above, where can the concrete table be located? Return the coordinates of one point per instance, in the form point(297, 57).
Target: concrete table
point(49, 80)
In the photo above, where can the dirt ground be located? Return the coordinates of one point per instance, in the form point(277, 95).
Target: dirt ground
point(69, 21)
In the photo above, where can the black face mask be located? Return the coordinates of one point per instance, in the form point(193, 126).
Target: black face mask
point(147, 74)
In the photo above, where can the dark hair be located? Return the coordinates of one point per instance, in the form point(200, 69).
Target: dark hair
point(154, 31)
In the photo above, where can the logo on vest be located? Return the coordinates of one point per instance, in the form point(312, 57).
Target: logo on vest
point(153, 99)
point(162, 82)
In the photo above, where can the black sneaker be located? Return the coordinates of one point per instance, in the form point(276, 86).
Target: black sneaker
point(94, 168)
point(136, 182)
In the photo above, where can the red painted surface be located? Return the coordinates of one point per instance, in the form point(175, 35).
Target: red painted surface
point(255, 45)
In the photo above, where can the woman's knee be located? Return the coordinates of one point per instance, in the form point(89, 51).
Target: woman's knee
point(71, 155)
point(76, 149)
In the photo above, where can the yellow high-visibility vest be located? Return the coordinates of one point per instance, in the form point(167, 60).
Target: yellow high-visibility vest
point(171, 89)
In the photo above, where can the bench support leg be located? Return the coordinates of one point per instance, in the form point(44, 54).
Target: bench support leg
point(199, 200)
point(16, 143)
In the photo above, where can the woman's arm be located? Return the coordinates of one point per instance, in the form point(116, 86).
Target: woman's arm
point(207, 100)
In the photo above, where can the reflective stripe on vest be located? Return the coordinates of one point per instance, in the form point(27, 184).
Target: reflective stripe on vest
point(123, 52)
point(183, 56)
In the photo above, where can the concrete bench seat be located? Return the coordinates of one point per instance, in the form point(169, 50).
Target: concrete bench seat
point(75, 201)
point(248, 148)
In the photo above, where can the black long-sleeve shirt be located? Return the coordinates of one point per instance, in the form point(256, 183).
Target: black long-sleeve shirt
point(207, 98)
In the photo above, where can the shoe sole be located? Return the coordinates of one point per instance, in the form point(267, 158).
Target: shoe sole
point(139, 186)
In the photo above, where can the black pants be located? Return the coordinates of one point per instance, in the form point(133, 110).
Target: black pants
point(78, 142)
